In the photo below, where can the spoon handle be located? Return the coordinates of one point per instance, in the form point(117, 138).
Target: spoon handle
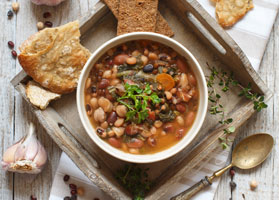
point(187, 194)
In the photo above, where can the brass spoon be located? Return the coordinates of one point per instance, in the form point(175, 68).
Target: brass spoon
point(248, 153)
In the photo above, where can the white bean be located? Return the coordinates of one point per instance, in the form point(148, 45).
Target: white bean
point(119, 131)
point(99, 115)
point(168, 95)
point(105, 104)
point(121, 110)
point(107, 74)
point(119, 122)
point(94, 102)
point(104, 125)
point(180, 120)
point(183, 83)
point(158, 123)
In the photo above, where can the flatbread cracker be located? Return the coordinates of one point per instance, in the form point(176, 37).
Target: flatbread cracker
point(137, 16)
point(39, 96)
point(228, 12)
point(54, 57)
point(161, 26)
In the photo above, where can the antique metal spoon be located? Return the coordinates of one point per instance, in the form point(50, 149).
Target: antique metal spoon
point(248, 153)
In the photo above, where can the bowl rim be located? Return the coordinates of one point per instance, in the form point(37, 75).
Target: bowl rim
point(142, 158)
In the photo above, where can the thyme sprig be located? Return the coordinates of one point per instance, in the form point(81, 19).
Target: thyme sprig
point(135, 180)
point(225, 81)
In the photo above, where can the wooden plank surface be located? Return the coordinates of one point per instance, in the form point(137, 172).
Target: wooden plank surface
point(16, 114)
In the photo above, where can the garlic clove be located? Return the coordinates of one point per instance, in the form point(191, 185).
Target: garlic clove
point(26, 156)
point(8, 156)
point(41, 157)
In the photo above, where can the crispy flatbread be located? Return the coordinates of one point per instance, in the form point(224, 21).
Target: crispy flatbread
point(39, 96)
point(54, 57)
point(161, 26)
point(228, 12)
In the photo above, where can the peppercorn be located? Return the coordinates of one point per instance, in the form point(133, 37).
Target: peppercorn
point(15, 6)
point(14, 53)
point(10, 14)
point(47, 15)
point(11, 44)
point(48, 24)
point(66, 178)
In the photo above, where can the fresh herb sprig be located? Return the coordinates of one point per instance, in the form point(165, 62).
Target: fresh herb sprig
point(136, 100)
point(135, 180)
point(226, 81)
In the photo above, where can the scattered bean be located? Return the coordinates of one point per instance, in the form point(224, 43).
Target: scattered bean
point(101, 132)
point(15, 6)
point(66, 178)
point(40, 26)
point(10, 14)
point(11, 44)
point(14, 53)
point(105, 104)
point(120, 59)
point(253, 184)
point(152, 56)
point(47, 14)
point(48, 24)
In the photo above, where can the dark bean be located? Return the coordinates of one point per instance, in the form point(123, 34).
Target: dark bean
point(168, 127)
point(148, 68)
point(163, 56)
point(112, 118)
point(73, 192)
point(48, 24)
point(131, 130)
point(72, 186)
point(93, 89)
point(66, 178)
point(180, 108)
point(10, 14)
point(155, 71)
point(67, 198)
point(47, 15)
point(14, 53)
point(88, 107)
point(33, 198)
point(103, 84)
point(232, 185)
point(100, 131)
point(11, 44)
point(110, 62)
point(73, 197)
point(114, 142)
point(232, 172)
point(135, 143)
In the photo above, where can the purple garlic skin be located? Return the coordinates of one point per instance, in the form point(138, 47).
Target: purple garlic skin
point(47, 2)
point(26, 156)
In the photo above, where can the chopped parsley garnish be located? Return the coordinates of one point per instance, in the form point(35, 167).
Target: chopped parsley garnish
point(136, 100)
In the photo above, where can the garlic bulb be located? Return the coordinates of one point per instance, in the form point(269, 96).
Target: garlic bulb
point(47, 2)
point(26, 156)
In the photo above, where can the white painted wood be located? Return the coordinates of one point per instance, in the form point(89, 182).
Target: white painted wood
point(16, 113)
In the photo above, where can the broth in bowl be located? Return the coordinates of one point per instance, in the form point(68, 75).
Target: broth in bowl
point(141, 97)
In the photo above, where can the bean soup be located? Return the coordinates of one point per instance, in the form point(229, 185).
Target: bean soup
point(141, 97)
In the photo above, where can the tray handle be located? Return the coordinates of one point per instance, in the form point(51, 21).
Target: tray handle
point(78, 145)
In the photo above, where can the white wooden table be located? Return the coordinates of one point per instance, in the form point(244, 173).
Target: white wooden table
point(15, 114)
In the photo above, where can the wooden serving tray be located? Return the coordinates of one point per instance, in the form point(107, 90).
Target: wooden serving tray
point(208, 42)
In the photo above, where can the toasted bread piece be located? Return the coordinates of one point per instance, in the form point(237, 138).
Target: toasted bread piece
point(161, 26)
point(228, 12)
point(137, 16)
point(39, 96)
point(54, 57)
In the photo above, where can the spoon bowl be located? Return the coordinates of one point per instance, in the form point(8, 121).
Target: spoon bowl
point(252, 151)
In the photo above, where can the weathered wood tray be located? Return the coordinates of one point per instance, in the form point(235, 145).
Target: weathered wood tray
point(208, 42)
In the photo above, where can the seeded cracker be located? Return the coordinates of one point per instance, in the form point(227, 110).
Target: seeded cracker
point(228, 12)
point(161, 27)
point(137, 16)
point(39, 96)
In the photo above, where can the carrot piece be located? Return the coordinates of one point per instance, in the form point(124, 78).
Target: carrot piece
point(166, 81)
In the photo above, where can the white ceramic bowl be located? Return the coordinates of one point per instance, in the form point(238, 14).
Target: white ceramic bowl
point(147, 158)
